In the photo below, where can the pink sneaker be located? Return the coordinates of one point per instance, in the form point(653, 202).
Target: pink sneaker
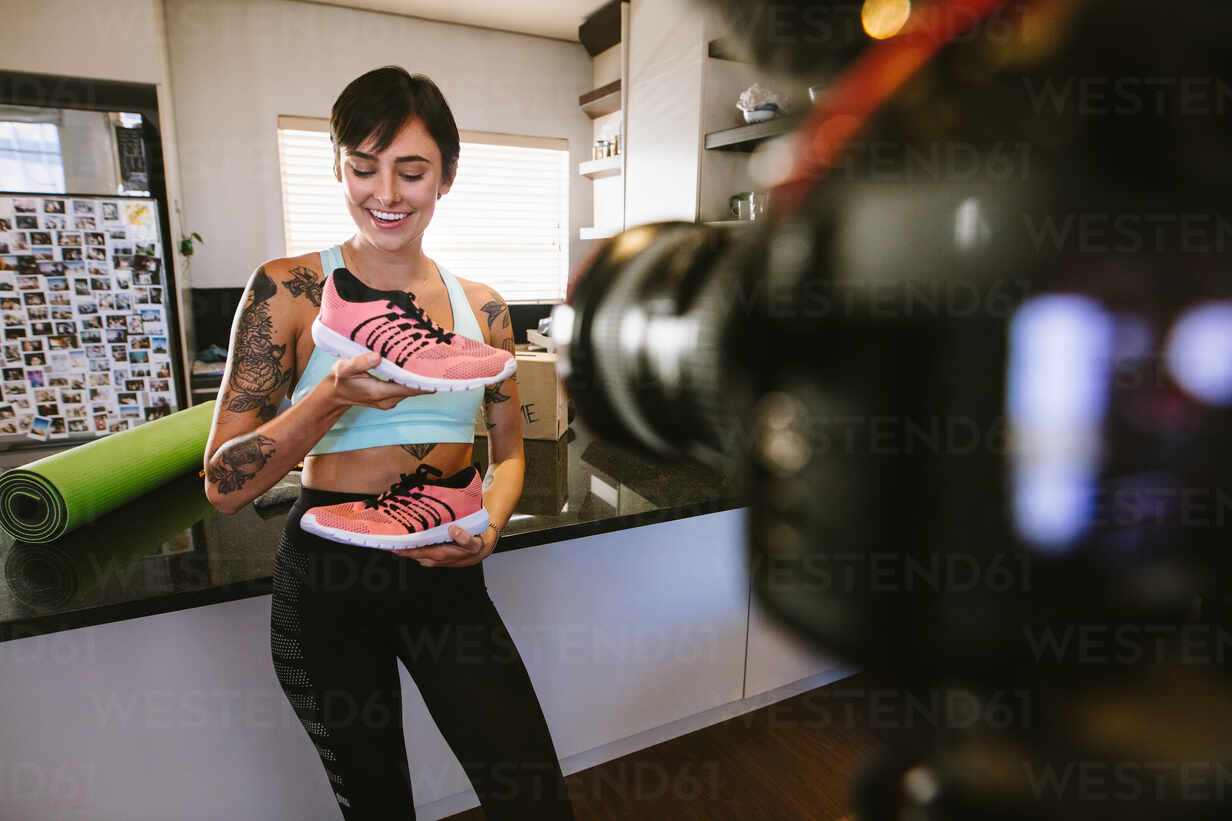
point(415, 351)
point(414, 512)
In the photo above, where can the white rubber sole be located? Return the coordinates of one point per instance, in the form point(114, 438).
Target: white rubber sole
point(337, 344)
point(473, 524)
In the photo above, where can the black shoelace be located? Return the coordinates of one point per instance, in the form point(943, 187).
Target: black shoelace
point(409, 480)
point(411, 310)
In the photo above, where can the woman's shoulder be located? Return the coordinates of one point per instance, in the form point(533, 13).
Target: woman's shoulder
point(298, 277)
point(487, 303)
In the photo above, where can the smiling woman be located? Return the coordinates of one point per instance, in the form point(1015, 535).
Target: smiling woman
point(522, 251)
point(380, 455)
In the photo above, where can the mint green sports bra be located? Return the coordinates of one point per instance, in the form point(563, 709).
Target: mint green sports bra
point(447, 416)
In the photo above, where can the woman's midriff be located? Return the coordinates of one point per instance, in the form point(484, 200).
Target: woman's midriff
point(373, 470)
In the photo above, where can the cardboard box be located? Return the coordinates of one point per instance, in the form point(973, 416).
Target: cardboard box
point(544, 412)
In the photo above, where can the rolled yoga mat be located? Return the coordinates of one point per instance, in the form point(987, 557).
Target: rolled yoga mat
point(64, 572)
point(43, 500)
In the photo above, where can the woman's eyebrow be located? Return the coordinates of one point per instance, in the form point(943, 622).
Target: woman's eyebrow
point(411, 158)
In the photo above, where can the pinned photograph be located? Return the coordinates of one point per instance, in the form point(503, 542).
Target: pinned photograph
point(7, 412)
point(83, 208)
point(71, 254)
point(96, 254)
point(25, 205)
point(36, 377)
point(111, 212)
point(78, 426)
point(95, 238)
point(21, 242)
point(51, 222)
point(84, 223)
point(53, 206)
point(59, 430)
point(68, 239)
point(6, 224)
point(40, 428)
point(40, 238)
point(25, 222)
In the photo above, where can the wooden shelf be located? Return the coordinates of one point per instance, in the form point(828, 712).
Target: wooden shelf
point(597, 233)
point(731, 223)
point(746, 137)
point(597, 169)
point(603, 100)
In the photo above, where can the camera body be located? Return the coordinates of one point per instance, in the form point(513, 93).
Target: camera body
point(972, 383)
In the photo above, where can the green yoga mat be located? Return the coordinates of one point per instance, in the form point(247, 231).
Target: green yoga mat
point(43, 500)
point(63, 573)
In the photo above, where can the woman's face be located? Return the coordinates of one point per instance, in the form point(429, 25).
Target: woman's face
point(392, 194)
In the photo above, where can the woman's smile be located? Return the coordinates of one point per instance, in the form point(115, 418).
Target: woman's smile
point(387, 220)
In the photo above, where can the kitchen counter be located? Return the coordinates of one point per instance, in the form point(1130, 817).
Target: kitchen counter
point(172, 550)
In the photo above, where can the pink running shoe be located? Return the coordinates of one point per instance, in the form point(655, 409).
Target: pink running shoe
point(414, 512)
point(415, 351)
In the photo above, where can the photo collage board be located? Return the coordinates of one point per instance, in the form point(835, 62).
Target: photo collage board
point(85, 350)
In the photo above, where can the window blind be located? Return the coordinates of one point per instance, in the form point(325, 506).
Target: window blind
point(505, 221)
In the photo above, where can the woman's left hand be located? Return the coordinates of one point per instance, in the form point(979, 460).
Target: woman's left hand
point(465, 549)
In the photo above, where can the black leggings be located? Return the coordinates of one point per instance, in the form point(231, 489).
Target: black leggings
point(341, 617)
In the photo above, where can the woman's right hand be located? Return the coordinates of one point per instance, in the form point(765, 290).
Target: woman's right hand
point(353, 385)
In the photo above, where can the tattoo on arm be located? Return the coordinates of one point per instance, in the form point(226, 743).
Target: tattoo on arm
point(492, 395)
point(305, 282)
point(496, 309)
point(419, 451)
point(257, 373)
point(238, 463)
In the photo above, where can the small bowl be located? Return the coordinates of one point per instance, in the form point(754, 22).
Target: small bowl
point(760, 115)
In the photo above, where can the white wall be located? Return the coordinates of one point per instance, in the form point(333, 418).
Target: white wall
point(121, 40)
point(238, 64)
point(111, 40)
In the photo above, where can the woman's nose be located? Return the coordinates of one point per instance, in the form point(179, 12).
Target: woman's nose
point(388, 191)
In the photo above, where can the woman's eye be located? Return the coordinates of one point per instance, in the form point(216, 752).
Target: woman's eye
point(359, 173)
point(412, 177)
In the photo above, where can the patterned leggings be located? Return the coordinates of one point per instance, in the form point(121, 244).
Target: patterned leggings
point(343, 615)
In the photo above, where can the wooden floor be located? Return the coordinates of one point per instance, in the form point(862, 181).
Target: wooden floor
point(790, 760)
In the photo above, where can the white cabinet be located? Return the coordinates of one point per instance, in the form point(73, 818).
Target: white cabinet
point(666, 57)
point(631, 630)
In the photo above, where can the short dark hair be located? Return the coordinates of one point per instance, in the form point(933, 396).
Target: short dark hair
point(378, 104)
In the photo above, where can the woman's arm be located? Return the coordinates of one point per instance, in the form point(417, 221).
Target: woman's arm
point(502, 486)
point(251, 446)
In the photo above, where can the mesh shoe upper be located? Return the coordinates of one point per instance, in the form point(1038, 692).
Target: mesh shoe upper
point(393, 325)
point(414, 503)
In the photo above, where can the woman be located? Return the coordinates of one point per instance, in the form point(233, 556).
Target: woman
point(342, 614)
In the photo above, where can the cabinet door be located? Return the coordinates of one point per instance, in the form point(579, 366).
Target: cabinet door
point(627, 631)
point(778, 656)
point(666, 57)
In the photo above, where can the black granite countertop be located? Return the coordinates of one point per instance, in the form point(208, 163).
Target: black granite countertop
point(171, 550)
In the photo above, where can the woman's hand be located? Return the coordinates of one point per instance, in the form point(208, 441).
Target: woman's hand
point(465, 550)
point(351, 384)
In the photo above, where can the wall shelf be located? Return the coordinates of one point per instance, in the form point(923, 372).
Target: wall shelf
point(746, 137)
point(597, 169)
point(603, 100)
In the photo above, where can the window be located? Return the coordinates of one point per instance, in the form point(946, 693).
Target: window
point(30, 157)
point(505, 221)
